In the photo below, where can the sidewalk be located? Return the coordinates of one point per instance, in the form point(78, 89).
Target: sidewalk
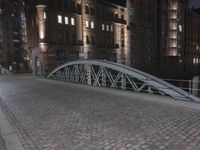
point(8, 138)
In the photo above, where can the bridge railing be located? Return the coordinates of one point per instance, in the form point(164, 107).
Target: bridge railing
point(190, 86)
point(112, 75)
point(186, 85)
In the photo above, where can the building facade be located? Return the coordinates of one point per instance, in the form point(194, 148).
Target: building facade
point(192, 42)
point(180, 57)
point(13, 53)
point(143, 34)
point(160, 37)
point(62, 31)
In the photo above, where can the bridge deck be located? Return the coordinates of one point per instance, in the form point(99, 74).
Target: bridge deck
point(54, 115)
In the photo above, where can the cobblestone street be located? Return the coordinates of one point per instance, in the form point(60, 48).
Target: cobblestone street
point(2, 147)
point(50, 115)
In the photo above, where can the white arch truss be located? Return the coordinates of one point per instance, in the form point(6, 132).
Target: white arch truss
point(109, 74)
point(4, 71)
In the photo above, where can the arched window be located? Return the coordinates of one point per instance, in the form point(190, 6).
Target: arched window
point(87, 11)
point(87, 40)
point(92, 10)
point(79, 8)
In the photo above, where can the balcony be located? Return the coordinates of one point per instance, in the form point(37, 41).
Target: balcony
point(119, 20)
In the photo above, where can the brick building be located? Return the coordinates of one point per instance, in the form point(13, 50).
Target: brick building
point(13, 53)
point(62, 31)
point(160, 37)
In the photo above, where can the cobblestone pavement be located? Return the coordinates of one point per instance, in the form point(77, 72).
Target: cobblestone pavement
point(49, 115)
point(2, 146)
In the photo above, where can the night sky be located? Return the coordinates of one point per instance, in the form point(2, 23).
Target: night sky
point(195, 3)
point(118, 2)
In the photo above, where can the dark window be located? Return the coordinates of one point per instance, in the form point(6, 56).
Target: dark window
point(73, 38)
point(112, 16)
point(93, 40)
point(60, 35)
point(60, 57)
point(122, 31)
point(122, 17)
point(79, 8)
point(122, 43)
point(103, 15)
point(87, 40)
point(16, 36)
point(107, 16)
point(74, 56)
point(65, 6)
point(90, 55)
point(116, 16)
point(98, 13)
point(59, 4)
point(108, 40)
point(72, 5)
point(92, 11)
point(67, 37)
point(105, 41)
point(16, 45)
point(87, 11)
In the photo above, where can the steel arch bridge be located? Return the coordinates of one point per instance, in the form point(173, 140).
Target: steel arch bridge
point(4, 71)
point(112, 75)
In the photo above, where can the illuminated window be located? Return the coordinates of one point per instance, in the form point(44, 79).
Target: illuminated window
point(103, 27)
point(107, 27)
point(66, 20)
point(92, 24)
point(194, 60)
point(180, 28)
point(45, 15)
point(72, 21)
point(59, 19)
point(111, 28)
point(87, 24)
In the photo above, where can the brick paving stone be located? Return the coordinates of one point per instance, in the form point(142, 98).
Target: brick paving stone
point(49, 115)
point(2, 144)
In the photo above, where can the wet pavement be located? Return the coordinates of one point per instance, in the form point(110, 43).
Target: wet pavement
point(50, 115)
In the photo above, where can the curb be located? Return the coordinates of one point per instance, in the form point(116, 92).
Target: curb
point(9, 137)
